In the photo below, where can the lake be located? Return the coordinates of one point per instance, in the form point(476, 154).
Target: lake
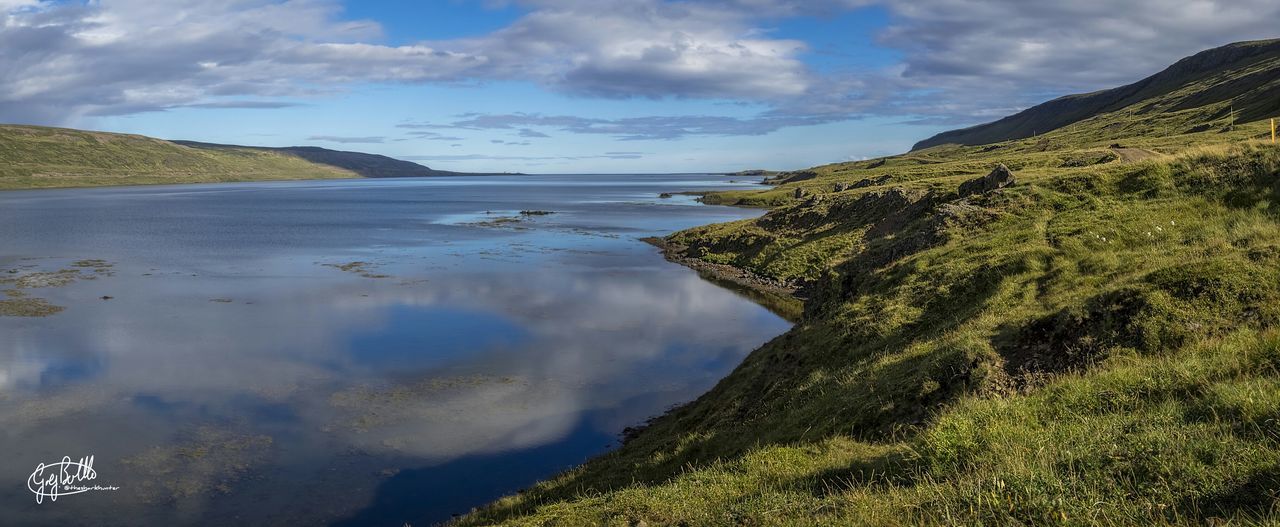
point(344, 352)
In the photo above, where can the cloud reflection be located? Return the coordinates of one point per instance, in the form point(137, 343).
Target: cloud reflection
point(592, 340)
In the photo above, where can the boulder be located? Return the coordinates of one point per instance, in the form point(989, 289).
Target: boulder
point(999, 178)
point(791, 177)
point(871, 182)
point(799, 193)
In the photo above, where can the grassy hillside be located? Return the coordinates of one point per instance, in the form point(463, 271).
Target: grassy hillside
point(1095, 343)
point(1246, 72)
point(362, 164)
point(40, 157)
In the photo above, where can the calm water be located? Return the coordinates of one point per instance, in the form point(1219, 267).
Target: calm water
point(239, 373)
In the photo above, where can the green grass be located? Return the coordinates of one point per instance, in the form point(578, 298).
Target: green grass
point(39, 157)
point(1240, 74)
point(1096, 344)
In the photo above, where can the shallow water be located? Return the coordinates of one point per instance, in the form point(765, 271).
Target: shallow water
point(346, 352)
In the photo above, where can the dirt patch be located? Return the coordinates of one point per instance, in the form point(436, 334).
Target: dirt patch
point(1134, 155)
point(1075, 339)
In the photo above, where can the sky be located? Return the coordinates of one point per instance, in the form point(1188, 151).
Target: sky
point(578, 86)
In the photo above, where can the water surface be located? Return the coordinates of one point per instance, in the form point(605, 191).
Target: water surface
point(346, 352)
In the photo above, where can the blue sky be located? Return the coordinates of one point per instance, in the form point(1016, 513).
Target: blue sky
point(579, 85)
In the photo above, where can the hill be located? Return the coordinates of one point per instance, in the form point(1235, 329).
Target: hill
point(364, 165)
point(41, 157)
point(1078, 328)
point(1246, 72)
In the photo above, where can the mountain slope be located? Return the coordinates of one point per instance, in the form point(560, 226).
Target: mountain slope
point(1248, 72)
point(41, 157)
point(1093, 341)
point(365, 165)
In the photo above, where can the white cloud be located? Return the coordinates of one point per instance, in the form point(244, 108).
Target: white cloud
point(963, 60)
point(14, 5)
point(125, 56)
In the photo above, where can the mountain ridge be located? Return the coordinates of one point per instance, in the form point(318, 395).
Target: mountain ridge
point(375, 166)
point(52, 157)
point(1248, 72)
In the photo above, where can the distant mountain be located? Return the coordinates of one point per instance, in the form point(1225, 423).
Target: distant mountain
point(1247, 73)
point(365, 165)
point(43, 157)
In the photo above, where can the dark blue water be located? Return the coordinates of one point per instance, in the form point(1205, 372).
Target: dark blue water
point(237, 373)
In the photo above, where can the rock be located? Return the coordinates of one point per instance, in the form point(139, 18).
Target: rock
point(791, 177)
point(999, 178)
point(664, 195)
point(863, 183)
point(871, 182)
point(799, 193)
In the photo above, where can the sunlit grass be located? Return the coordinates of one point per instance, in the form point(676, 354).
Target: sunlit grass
point(1093, 345)
point(38, 157)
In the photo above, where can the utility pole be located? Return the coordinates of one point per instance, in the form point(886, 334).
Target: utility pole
point(1233, 117)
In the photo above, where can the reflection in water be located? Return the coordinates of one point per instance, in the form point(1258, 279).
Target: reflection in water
point(237, 373)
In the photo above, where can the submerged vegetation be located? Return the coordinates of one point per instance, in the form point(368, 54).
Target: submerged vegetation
point(15, 285)
point(363, 269)
point(1091, 339)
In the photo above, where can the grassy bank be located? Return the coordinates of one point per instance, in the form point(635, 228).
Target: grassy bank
point(39, 157)
point(42, 157)
point(1092, 344)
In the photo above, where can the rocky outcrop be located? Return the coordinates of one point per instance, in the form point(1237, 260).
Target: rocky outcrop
point(863, 183)
point(999, 178)
point(791, 177)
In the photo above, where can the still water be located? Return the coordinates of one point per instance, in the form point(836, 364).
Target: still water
point(344, 352)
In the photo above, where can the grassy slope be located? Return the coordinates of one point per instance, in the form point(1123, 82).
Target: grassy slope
point(1246, 72)
point(1095, 344)
point(39, 157)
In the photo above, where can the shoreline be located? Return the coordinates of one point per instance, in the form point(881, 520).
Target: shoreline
point(780, 299)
